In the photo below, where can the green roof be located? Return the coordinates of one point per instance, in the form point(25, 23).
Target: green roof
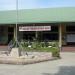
point(45, 15)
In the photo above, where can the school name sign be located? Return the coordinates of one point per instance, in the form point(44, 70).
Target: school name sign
point(34, 28)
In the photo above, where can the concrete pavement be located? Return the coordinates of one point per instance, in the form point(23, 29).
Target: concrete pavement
point(64, 66)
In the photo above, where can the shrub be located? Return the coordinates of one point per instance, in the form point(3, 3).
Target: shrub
point(56, 53)
point(42, 44)
point(36, 45)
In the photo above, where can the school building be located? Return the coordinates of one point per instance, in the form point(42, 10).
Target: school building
point(57, 24)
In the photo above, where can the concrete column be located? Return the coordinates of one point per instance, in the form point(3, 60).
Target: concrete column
point(60, 36)
point(15, 35)
point(19, 34)
point(63, 34)
point(36, 35)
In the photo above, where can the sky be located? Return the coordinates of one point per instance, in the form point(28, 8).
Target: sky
point(35, 4)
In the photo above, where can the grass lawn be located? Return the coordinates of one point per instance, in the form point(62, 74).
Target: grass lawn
point(42, 49)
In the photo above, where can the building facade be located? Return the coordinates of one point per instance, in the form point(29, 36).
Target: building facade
point(61, 21)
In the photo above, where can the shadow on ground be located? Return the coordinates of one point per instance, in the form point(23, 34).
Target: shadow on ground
point(64, 70)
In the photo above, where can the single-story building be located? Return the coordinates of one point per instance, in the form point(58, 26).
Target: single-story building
point(61, 23)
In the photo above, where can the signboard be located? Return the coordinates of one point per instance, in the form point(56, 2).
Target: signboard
point(34, 28)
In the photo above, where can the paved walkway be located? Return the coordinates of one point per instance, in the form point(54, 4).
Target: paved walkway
point(64, 66)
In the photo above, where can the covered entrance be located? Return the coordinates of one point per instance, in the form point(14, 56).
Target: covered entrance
point(63, 33)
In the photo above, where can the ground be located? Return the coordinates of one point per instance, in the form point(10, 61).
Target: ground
point(64, 66)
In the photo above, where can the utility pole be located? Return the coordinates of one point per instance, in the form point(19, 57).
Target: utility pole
point(15, 52)
point(16, 39)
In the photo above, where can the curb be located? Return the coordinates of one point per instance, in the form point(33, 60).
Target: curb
point(22, 61)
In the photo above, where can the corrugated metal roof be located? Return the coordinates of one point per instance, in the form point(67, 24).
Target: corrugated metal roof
point(45, 15)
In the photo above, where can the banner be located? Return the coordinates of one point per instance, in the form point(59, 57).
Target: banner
point(34, 28)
